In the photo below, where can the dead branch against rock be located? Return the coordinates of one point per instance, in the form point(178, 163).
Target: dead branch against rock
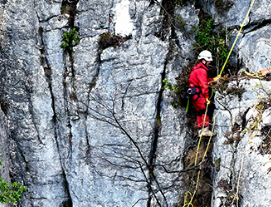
point(105, 111)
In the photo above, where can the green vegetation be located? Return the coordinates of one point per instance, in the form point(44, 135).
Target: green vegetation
point(70, 39)
point(10, 193)
point(213, 38)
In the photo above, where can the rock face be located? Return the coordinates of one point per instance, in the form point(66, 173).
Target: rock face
point(93, 127)
point(5, 151)
point(245, 162)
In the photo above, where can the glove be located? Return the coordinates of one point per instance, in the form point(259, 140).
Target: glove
point(207, 101)
point(217, 77)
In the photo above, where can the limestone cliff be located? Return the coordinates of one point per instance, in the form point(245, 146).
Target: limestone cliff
point(93, 127)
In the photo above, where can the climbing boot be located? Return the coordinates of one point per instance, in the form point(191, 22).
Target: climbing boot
point(206, 132)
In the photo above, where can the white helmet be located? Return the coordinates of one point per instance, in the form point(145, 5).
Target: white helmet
point(206, 55)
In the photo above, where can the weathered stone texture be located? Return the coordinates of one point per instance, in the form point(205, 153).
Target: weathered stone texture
point(4, 150)
point(255, 49)
point(93, 127)
point(244, 164)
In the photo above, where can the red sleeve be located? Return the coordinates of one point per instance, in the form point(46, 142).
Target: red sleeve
point(203, 82)
point(210, 80)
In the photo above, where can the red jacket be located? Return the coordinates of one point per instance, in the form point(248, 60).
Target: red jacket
point(198, 79)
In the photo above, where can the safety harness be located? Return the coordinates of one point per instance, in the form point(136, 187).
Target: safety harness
point(192, 90)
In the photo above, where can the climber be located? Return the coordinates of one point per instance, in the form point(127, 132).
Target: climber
point(199, 91)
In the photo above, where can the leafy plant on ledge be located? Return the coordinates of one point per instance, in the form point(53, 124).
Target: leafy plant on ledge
point(70, 39)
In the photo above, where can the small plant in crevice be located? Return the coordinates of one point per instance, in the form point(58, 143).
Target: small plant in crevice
point(70, 39)
point(264, 103)
point(233, 196)
point(234, 136)
point(222, 86)
point(235, 91)
point(265, 147)
point(217, 164)
point(253, 127)
point(180, 22)
point(68, 9)
point(109, 40)
point(40, 31)
point(180, 3)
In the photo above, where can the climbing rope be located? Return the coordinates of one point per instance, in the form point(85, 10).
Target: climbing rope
point(188, 193)
point(241, 28)
point(255, 75)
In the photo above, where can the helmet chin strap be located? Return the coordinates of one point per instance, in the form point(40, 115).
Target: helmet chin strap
point(204, 62)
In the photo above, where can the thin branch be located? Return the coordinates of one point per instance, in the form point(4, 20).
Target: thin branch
point(149, 185)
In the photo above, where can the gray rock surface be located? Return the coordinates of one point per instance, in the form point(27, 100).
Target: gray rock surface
point(92, 127)
point(5, 151)
point(255, 49)
point(244, 163)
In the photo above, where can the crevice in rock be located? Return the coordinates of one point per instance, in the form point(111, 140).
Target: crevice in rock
point(125, 95)
point(168, 11)
point(156, 135)
point(109, 40)
point(68, 202)
point(48, 77)
point(4, 106)
point(243, 118)
point(252, 27)
point(47, 73)
point(157, 126)
point(151, 2)
point(70, 96)
point(69, 7)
